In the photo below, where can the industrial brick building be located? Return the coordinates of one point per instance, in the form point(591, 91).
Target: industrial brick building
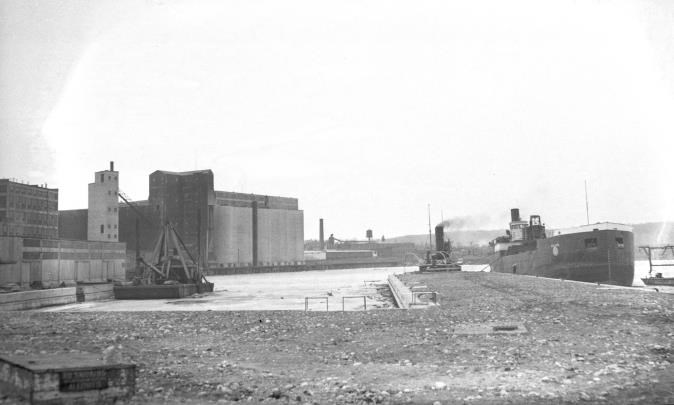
point(230, 229)
point(31, 253)
point(28, 210)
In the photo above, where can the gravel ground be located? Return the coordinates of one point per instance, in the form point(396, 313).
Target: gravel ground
point(582, 343)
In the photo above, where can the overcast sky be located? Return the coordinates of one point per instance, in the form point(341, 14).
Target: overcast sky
point(366, 111)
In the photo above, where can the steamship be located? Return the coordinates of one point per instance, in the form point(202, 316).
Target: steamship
point(601, 252)
point(440, 259)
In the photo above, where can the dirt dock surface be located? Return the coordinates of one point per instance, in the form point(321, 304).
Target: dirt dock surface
point(575, 342)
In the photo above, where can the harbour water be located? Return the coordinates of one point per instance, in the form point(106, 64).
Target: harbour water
point(271, 291)
point(288, 291)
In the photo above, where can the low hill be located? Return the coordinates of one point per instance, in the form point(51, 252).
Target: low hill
point(458, 238)
point(649, 233)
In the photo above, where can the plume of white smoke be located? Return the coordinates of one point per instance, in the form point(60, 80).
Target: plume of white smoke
point(467, 222)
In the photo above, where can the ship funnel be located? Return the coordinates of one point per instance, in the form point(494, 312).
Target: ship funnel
point(439, 238)
point(514, 214)
point(321, 238)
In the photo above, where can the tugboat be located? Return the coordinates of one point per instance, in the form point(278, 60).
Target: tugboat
point(439, 260)
point(599, 253)
point(657, 280)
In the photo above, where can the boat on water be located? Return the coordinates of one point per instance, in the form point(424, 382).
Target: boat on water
point(656, 279)
point(440, 259)
point(600, 253)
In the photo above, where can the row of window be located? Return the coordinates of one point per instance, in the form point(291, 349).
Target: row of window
point(103, 230)
point(18, 230)
point(592, 243)
point(112, 209)
point(109, 227)
point(33, 218)
point(102, 177)
point(30, 203)
point(29, 191)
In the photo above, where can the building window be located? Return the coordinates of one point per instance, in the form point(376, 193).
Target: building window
point(590, 243)
point(109, 177)
point(102, 177)
point(620, 243)
point(115, 209)
point(115, 236)
point(109, 209)
point(108, 236)
point(115, 226)
point(102, 229)
point(108, 226)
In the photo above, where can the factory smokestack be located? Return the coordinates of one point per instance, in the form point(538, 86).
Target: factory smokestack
point(514, 214)
point(112, 166)
point(321, 238)
point(439, 238)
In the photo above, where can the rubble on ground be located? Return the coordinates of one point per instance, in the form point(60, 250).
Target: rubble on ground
point(582, 344)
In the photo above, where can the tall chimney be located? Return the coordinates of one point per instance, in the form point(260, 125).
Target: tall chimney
point(514, 214)
point(321, 238)
point(439, 238)
point(112, 166)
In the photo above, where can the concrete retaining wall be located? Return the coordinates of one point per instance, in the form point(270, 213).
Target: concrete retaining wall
point(55, 296)
point(96, 292)
point(401, 293)
point(37, 298)
point(348, 254)
point(308, 266)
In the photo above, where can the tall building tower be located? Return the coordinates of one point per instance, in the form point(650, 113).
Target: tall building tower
point(103, 216)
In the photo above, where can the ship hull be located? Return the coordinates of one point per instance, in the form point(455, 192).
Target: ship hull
point(659, 281)
point(601, 256)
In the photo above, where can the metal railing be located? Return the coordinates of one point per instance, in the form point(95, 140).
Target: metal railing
point(306, 302)
point(327, 303)
point(355, 296)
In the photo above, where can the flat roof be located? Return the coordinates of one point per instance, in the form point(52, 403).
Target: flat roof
point(27, 185)
point(183, 173)
point(599, 226)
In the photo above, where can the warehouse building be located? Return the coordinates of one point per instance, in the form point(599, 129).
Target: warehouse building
point(230, 229)
point(31, 252)
point(28, 210)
